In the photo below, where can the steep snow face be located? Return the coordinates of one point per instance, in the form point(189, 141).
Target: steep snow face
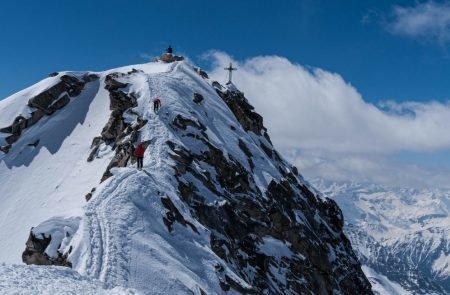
point(216, 209)
point(396, 229)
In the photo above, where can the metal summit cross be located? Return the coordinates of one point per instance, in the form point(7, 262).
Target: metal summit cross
point(230, 69)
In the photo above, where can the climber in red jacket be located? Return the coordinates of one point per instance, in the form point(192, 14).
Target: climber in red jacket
point(156, 104)
point(140, 155)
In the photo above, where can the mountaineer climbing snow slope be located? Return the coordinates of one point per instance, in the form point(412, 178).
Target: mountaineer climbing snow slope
point(215, 210)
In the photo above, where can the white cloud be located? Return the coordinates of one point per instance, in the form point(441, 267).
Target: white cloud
point(428, 20)
point(323, 124)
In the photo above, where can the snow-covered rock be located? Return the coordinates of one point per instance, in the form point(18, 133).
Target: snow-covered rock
point(215, 210)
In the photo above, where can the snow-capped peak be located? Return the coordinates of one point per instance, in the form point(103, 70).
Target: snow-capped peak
point(215, 209)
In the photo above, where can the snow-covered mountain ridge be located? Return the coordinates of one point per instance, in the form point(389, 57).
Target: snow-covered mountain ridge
point(215, 210)
point(400, 233)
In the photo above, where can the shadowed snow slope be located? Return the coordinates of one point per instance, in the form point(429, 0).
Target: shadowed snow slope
point(215, 210)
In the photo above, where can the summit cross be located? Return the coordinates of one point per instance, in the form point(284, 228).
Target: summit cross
point(230, 70)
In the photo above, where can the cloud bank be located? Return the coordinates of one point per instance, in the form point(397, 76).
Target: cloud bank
point(323, 124)
point(430, 20)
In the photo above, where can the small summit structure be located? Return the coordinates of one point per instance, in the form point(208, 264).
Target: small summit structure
point(230, 70)
point(168, 56)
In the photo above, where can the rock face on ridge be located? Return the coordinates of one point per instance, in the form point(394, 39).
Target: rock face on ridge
point(246, 219)
point(47, 102)
point(216, 209)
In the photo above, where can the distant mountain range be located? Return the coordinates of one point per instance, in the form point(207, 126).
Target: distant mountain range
point(400, 235)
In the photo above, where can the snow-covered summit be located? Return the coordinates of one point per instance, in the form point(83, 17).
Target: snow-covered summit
point(215, 210)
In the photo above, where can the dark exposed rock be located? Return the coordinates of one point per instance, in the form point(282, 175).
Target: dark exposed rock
point(114, 127)
point(173, 214)
point(111, 84)
point(198, 98)
point(54, 74)
point(333, 214)
point(90, 77)
point(202, 73)
point(247, 152)
point(181, 122)
point(96, 142)
point(243, 111)
point(120, 101)
point(35, 252)
point(12, 138)
point(88, 197)
point(34, 144)
point(116, 130)
point(68, 84)
point(60, 103)
point(123, 154)
point(244, 148)
point(268, 151)
point(133, 71)
point(5, 149)
point(6, 129)
point(287, 211)
point(216, 85)
point(43, 100)
point(168, 57)
point(19, 124)
point(35, 117)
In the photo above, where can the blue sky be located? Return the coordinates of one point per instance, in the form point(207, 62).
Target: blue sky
point(370, 51)
point(40, 38)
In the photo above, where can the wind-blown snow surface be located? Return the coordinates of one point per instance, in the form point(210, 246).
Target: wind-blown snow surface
point(31, 280)
point(401, 235)
point(119, 237)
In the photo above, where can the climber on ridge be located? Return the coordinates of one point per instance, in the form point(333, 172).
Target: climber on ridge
point(140, 155)
point(169, 50)
point(156, 104)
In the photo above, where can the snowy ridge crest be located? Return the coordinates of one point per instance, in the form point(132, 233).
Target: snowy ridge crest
point(215, 210)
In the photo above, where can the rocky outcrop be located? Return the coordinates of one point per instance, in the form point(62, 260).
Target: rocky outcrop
point(173, 215)
point(35, 252)
point(246, 219)
point(243, 111)
point(46, 103)
point(117, 133)
point(198, 98)
point(202, 73)
point(169, 57)
point(317, 259)
point(58, 95)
